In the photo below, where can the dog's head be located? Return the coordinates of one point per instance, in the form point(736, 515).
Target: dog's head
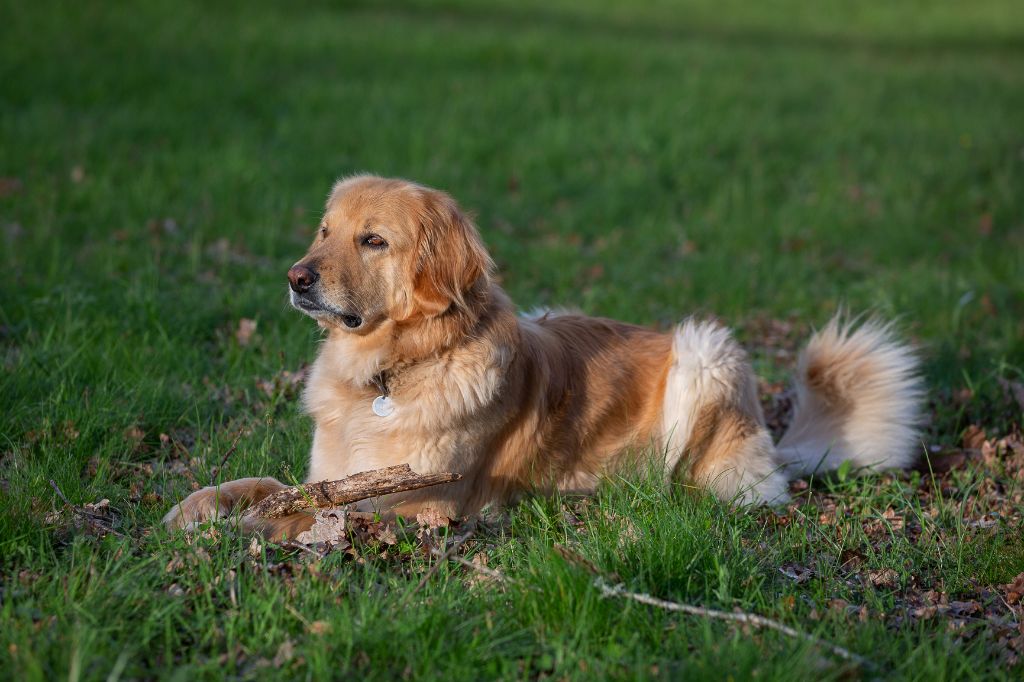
point(388, 250)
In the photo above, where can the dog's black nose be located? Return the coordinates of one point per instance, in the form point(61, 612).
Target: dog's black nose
point(302, 278)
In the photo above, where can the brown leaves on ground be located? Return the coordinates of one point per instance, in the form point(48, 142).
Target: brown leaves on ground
point(957, 505)
point(364, 536)
point(778, 339)
point(778, 402)
point(97, 519)
point(796, 572)
point(1014, 590)
point(884, 577)
point(360, 537)
point(285, 383)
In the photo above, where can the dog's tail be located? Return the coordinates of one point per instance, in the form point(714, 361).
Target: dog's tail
point(858, 399)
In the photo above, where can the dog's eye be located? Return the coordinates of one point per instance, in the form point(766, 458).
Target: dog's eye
point(323, 232)
point(374, 241)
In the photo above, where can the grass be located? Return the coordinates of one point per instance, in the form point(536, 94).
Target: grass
point(163, 165)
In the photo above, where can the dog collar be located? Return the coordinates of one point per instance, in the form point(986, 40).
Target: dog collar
point(382, 405)
point(380, 382)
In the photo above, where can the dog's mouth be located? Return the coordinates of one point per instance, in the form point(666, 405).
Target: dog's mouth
point(320, 312)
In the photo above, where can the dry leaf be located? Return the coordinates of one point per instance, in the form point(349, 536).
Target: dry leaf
point(245, 330)
point(430, 519)
point(973, 437)
point(885, 577)
point(1015, 589)
point(319, 627)
point(328, 526)
point(386, 534)
point(800, 574)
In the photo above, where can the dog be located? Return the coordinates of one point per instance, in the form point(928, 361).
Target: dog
point(427, 362)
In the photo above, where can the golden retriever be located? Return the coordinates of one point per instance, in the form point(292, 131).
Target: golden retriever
point(427, 362)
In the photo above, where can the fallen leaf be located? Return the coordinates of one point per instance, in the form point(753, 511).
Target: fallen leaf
point(1014, 589)
point(134, 435)
point(328, 526)
point(964, 608)
point(800, 574)
point(319, 627)
point(245, 330)
point(386, 534)
point(430, 519)
point(973, 437)
point(885, 577)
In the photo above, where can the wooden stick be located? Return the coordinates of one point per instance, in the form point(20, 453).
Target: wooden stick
point(357, 487)
point(737, 616)
point(224, 459)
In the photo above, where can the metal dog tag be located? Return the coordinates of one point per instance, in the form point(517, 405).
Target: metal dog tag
point(382, 406)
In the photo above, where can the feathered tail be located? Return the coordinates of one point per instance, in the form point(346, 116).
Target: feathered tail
point(858, 398)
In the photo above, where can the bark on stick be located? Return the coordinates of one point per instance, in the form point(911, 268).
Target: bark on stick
point(357, 487)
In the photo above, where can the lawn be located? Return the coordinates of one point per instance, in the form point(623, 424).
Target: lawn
point(162, 164)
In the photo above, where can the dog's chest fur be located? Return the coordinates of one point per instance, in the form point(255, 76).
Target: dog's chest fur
point(442, 410)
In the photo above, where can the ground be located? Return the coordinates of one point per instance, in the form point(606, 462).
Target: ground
point(162, 165)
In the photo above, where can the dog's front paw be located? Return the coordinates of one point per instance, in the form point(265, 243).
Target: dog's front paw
point(207, 504)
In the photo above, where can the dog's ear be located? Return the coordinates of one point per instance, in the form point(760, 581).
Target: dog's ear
point(451, 257)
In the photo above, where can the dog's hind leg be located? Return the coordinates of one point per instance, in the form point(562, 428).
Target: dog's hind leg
point(731, 453)
point(714, 431)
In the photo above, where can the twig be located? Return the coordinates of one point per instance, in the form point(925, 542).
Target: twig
point(298, 616)
point(293, 544)
point(60, 494)
point(437, 564)
point(746, 618)
point(580, 560)
point(357, 487)
point(224, 459)
point(93, 520)
point(738, 616)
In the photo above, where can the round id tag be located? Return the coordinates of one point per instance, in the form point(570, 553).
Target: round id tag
point(382, 406)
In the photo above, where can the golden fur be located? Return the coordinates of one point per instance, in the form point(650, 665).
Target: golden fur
point(401, 283)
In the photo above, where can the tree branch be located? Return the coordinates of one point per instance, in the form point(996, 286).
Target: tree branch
point(736, 616)
point(751, 619)
point(357, 487)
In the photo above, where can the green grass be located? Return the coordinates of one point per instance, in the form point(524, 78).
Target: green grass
point(164, 164)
